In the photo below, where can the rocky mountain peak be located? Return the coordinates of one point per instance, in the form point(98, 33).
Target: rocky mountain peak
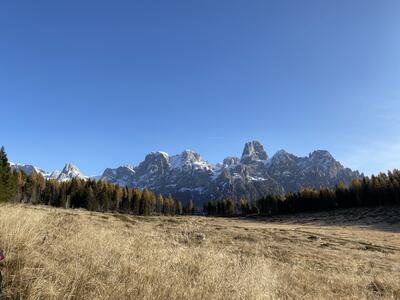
point(69, 171)
point(253, 151)
point(320, 153)
point(154, 163)
point(157, 157)
point(190, 155)
point(230, 161)
point(187, 158)
point(70, 168)
point(320, 156)
point(282, 156)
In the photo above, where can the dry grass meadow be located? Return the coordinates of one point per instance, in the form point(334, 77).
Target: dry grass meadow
point(72, 254)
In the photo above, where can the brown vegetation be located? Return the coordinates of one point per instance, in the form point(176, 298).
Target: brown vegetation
point(72, 254)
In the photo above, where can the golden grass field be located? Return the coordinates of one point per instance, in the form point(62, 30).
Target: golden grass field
point(72, 254)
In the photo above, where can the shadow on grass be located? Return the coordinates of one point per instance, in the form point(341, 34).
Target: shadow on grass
point(385, 218)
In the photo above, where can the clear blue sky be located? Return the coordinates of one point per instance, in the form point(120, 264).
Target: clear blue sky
point(102, 83)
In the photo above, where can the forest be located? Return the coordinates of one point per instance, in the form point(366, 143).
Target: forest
point(383, 189)
point(92, 195)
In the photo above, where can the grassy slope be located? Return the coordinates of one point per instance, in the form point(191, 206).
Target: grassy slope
point(67, 254)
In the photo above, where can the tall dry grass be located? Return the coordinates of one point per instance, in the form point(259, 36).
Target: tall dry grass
point(68, 254)
point(57, 254)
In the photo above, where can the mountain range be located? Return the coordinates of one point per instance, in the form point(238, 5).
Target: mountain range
point(189, 176)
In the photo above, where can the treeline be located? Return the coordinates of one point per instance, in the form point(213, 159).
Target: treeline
point(383, 189)
point(92, 195)
point(101, 196)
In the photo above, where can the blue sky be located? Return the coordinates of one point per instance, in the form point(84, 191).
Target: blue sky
point(102, 83)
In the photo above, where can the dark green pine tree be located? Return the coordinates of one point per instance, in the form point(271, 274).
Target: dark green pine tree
point(7, 179)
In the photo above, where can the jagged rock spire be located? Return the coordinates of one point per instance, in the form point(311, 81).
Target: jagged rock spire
point(253, 151)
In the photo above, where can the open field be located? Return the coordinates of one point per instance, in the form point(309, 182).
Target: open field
point(72, 254)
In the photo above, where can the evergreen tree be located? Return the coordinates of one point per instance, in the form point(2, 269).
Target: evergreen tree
point(8, 186)
point(125, 201)
point(135, 201)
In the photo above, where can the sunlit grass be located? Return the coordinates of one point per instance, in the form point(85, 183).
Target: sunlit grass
point(69, 254)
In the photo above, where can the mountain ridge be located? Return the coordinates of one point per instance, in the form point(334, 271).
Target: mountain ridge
point(69, 172)
point(188, 176)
